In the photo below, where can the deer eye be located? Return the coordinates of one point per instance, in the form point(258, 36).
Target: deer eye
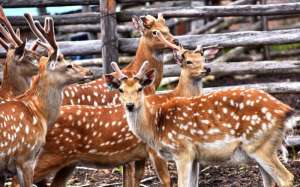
point(121, 90)
point(189, 62)
point(69, 66)
point(154, 33)
point(140, 89)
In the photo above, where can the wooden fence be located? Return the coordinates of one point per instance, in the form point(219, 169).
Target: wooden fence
point(108, 20)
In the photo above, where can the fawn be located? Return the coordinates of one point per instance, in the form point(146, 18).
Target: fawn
point(25, 119)
point(88, 135)
point(20, 64)
point(232, 125)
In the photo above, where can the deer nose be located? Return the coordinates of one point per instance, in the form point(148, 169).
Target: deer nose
point(130, 107)
point(207, 70)
point(176, 41)
point(90, 73)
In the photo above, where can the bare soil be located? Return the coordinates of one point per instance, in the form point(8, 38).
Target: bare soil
point(210, 176)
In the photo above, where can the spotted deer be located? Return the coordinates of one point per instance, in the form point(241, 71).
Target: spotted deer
point(229, 126)
point(20, 63)
point(100, 136)
point(150, 48)
point(25, 119)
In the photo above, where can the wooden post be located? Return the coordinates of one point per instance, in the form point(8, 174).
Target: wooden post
point(264, 27)
point(108, 24)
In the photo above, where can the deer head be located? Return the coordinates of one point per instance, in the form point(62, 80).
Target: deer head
point(193, 61)
point(131, 88)
point(151, 30)
point(22, 63)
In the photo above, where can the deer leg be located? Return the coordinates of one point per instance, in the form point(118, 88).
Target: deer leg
point(128, 170)
point(161, 168)
point(272, 165)
point(133, 173)
point(25, 173)
point(139, 171)
point(267, 179)
point(187, 170)
point(62, 176)
point(2, 180)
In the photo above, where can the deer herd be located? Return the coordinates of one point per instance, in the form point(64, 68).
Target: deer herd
point(54, 117)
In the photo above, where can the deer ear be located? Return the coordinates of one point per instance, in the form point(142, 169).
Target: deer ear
point(21, 49)
point(43, 64)
point(148, 78)
point(138, 24)
point(161, 18)
point(112, 82)
point(210, 53)
point(178, 56)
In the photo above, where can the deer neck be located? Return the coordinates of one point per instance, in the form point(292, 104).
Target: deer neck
point(13, 82)
point(188, 86)
point(154, 56)
point(45, 97)
point(142, 123)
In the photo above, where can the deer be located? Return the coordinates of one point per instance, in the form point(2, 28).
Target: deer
point(20, 64)
point(25, 119)
point(88, 135)
point(150, 48)
point(235, 125)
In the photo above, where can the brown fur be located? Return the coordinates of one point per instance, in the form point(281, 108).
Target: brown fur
point(226, 126)
point(79, 126)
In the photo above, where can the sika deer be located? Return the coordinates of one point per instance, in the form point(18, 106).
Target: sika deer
point(87, 134)
point(20, 64)
point(24, 121)
point(150, 47)
point(233, 125)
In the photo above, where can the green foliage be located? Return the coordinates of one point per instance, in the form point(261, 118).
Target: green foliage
point(285, 47)
point(162, 88)
point(118, 170)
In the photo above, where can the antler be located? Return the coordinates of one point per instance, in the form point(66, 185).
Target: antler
point(15, 38)
point(142, 70)
point(4, 44)
point(36, 31)
point(116, 68)
point(162, 38)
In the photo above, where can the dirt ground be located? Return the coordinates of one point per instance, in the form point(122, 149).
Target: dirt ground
point(210, 176)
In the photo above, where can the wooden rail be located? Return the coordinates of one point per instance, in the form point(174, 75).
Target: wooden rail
point(50, 3)
point(246, 38)
point(207, 11)
point(216, 11)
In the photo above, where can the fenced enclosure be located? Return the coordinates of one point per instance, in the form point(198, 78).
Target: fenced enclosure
point(260, 38)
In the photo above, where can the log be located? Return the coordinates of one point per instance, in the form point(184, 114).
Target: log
point(208, 11)
point(216, 11)
point(272, 88)
point(90, 28)
point(45, 3)
point(49, 3)
point(292, 140)
point(108, 33)
point(65, 19)
point(242, 68)
point(237, 68)
point(245, 38)
point(218, 21)
point(98, 61)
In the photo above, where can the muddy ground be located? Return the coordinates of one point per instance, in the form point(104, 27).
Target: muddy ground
point(210, 176)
